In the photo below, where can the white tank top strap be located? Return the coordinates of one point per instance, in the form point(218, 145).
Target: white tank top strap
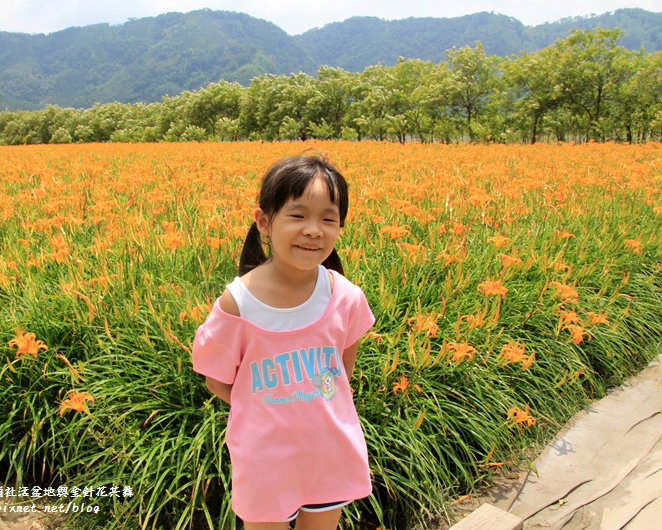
point(282, 318)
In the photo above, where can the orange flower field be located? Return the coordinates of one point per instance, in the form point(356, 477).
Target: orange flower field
point(511, 285)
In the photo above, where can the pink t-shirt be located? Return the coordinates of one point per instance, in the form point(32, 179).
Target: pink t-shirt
point(293, 432)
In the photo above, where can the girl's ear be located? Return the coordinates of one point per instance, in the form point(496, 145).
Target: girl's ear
point(262, 221)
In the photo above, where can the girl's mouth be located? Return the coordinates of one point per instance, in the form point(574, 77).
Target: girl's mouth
point(309, 249)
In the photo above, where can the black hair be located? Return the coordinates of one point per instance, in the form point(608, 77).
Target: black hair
point(288, 179)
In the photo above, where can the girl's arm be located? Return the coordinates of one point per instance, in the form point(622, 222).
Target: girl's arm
point(221, 390)
point(349, 358)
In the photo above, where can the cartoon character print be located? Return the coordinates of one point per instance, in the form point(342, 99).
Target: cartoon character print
point(326, 382)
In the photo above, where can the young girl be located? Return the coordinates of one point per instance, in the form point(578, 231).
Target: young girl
point(279, 346)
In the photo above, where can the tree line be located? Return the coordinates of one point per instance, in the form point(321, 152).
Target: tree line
point(584, 87)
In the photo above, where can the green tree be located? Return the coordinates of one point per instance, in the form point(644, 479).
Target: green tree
point(528, 80)
point(139, 124)
point(25, 128)
point(372, 109)
point(329, 102)
point(410, 78)
point(270, 99)
point(216, 101)
point(104, 120)
point(638, 97)
point(171, 121)
point(471, 82)
point(435, 102)
point(589, 66)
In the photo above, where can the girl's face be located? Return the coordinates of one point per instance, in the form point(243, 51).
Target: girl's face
point(304, 231)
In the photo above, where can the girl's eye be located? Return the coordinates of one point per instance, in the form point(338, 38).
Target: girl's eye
point(297, 216)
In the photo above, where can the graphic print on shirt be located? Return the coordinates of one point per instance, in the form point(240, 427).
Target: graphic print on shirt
point(319, 365)
point(326, 382)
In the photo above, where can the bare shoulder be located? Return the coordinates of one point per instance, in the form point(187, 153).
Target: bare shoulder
point(228, 303)
point(331, 280)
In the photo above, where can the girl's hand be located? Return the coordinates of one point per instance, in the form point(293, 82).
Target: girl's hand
point(349, 358)
point(219, 389)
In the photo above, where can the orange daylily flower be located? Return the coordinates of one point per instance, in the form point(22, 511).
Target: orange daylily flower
point(576, 374)
point(4, 279)
point(214, 242)
point(520, 417)
point(493, 288)
point(172, 240)
point(499, 241)
point(566, 292)
point(461, 351)
point(634, 245)
point(375, 335)
point(513, 352)
point(27, 343)
point(597, 318)
point(449, 258)
point(412, 251)
point(76, 401)
point(568, 316)
point(425, 323)
point(60, 250)
point(474, 321)
point(563, 234)
point(578, 333)
point(480, 199)
point(403, 385)
point(193, 313)
point(528, 361)
point(459, 228)
point(509, 261)
point(395, 231)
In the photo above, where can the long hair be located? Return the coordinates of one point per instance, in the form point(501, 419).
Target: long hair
point(288, 179)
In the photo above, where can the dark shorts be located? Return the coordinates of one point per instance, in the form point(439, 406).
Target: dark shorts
point(318, 508)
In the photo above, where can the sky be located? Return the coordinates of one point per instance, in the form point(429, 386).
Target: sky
point(294, 16)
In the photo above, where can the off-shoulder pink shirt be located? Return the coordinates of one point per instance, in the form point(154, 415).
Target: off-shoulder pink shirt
point(293, 432)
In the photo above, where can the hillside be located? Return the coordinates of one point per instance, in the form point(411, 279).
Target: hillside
point(145, 59)
point(362, 41)
point(141, 60)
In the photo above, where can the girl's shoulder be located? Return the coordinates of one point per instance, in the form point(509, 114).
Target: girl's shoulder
point(228, 304)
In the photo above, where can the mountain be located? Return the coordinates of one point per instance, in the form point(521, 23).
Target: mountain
point(362, 41)
point(147, 58)
point(142, 60)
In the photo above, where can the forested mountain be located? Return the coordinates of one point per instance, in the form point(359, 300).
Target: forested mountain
point(362, 41)
point(145, 59)
point(141, 60)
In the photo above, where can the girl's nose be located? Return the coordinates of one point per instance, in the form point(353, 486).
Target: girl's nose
point(312, 229)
